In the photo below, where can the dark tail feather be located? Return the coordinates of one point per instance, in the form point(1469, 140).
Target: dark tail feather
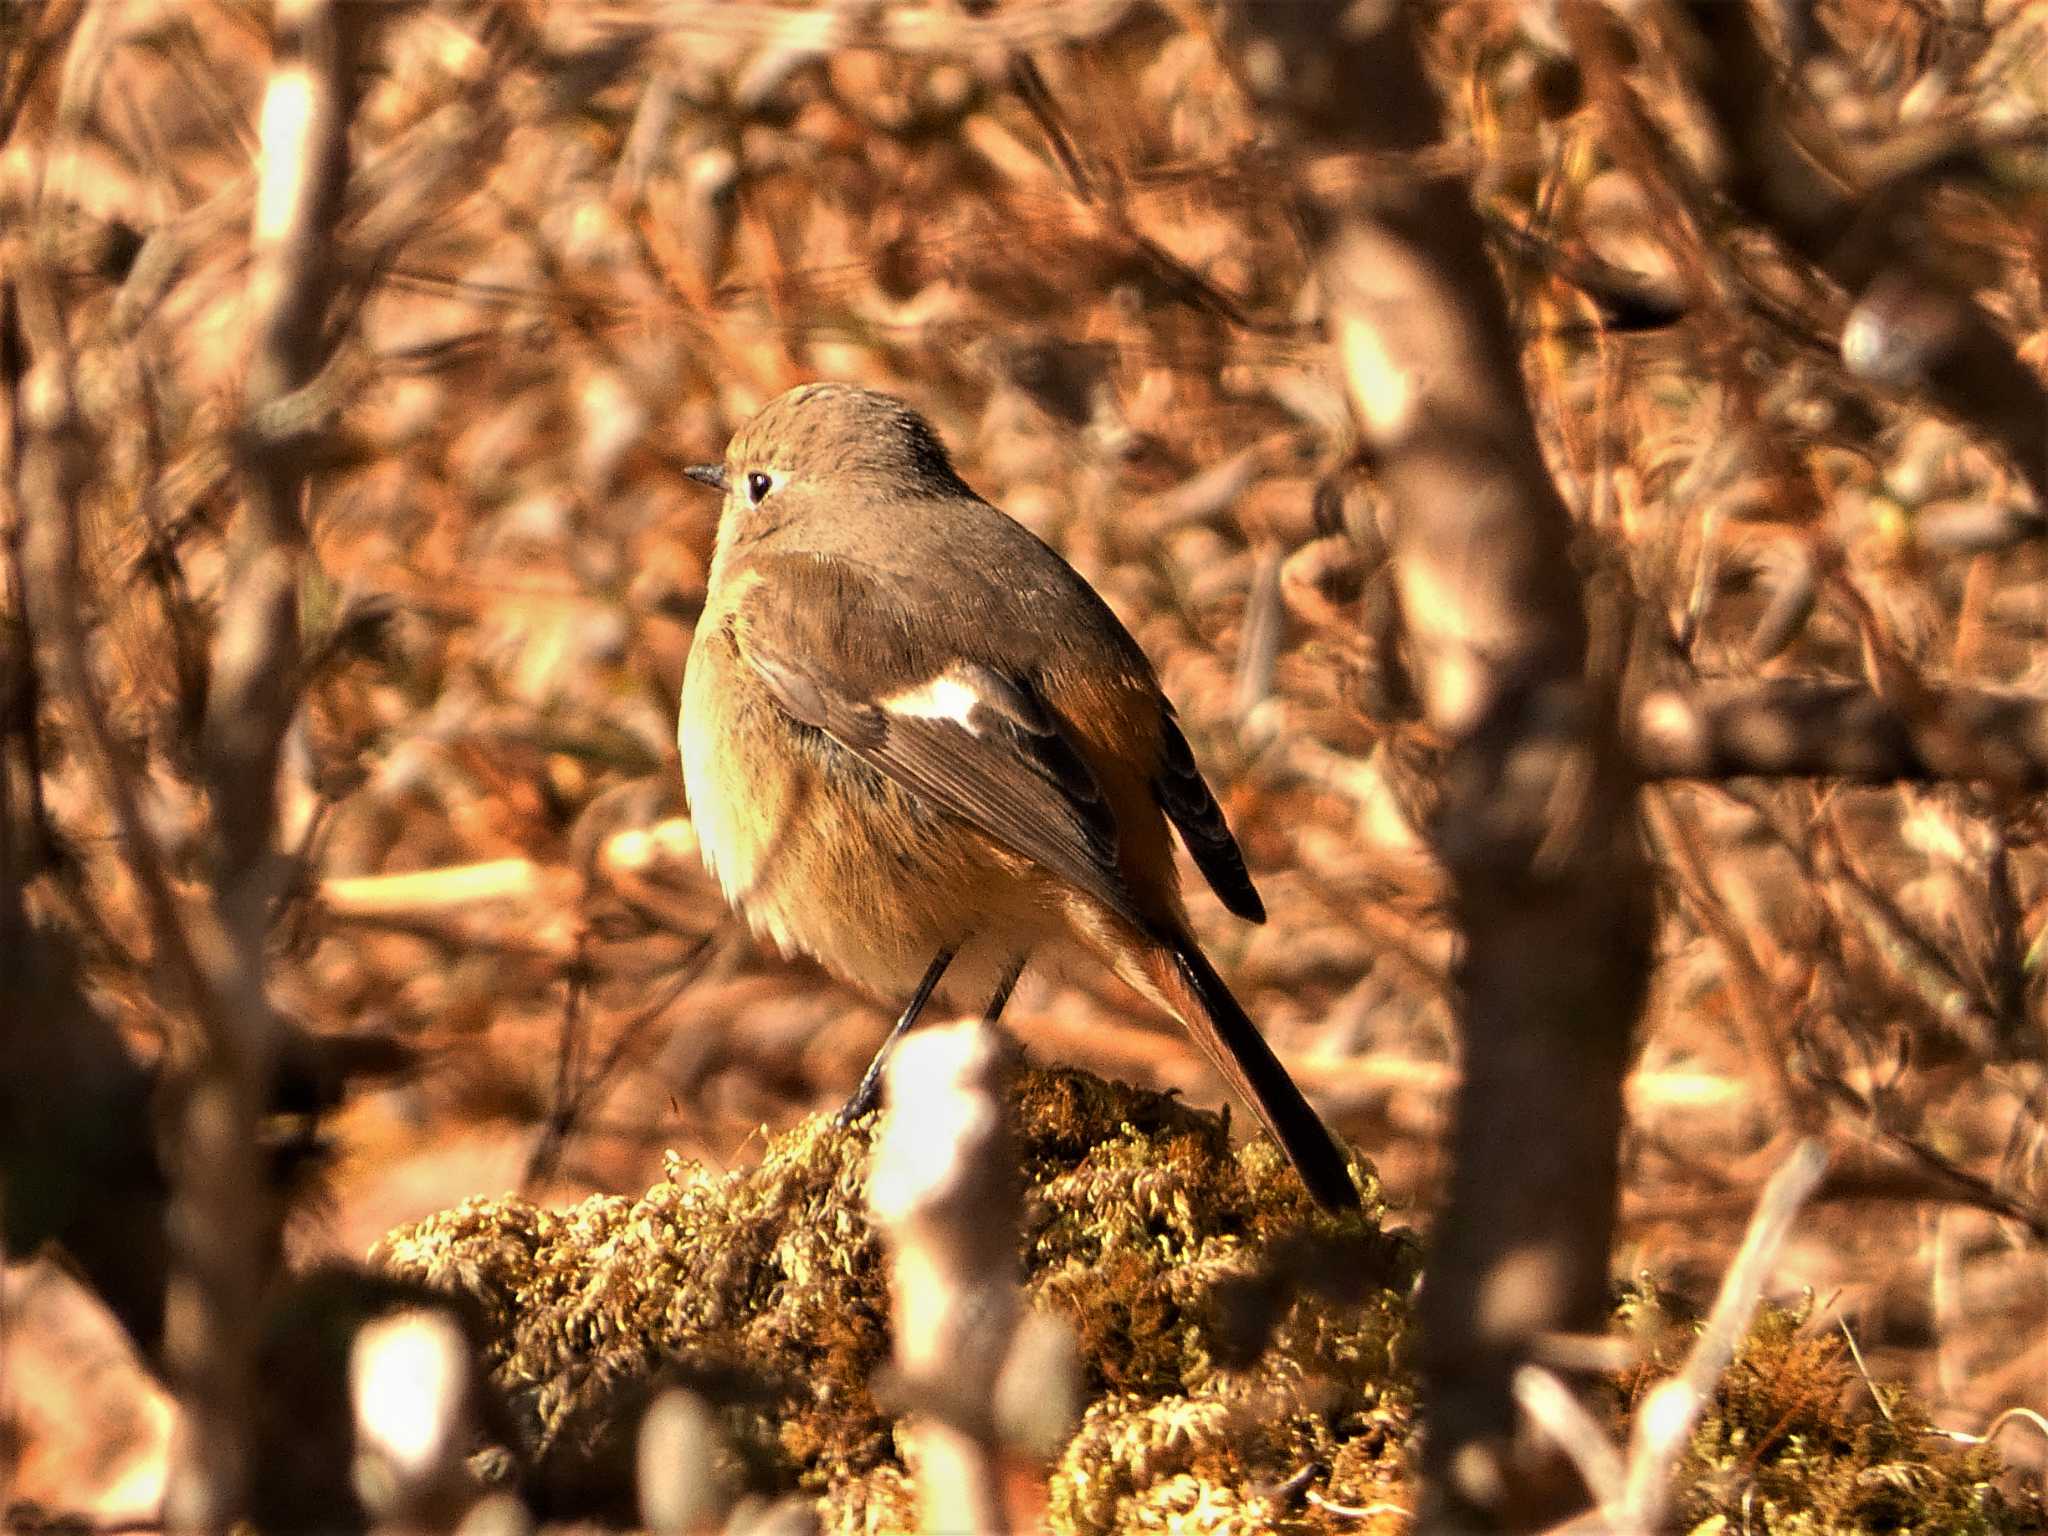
point(1239, 1052)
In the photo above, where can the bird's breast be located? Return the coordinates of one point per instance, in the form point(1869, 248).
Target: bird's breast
point(823, 855)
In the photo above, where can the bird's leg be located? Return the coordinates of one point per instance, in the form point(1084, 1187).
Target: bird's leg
point(869, 1092)
point(1004, 987)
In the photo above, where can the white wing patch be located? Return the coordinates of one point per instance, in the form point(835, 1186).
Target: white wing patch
point(952, 695)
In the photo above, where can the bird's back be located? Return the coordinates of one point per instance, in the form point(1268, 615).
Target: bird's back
point(1007, 600)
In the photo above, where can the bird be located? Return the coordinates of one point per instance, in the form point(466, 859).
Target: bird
point(919, 747)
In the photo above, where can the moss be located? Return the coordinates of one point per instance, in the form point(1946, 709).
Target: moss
point(1798, 1442)
point(1243, 1350)
point(764, 1284)
point(1231, 1456)
point(1170, 1252)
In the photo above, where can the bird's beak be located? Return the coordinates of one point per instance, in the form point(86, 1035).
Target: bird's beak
point(712, 475)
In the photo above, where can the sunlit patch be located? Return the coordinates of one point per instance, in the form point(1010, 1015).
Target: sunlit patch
point(287, 126)
point(1382, 392)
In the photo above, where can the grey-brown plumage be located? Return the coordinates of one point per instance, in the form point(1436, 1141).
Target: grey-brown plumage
point(911, 731)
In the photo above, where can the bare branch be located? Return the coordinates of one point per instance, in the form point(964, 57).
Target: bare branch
point(252, 697)
point(1537, 830)
point(1795, 727)
point(1556, 1410)
point(915, 29)
point(255, 664)
point(945, 1193)
point(1636, 1496)
point(1665, 1421)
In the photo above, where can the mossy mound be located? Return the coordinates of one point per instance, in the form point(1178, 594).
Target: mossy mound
point(1242, 1351)
point(1232, 1334)
point(1799, 1442)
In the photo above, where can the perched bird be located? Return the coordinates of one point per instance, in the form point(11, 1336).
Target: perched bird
point(920, 748)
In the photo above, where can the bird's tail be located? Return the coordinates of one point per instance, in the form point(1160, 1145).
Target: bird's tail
point(1187, 983)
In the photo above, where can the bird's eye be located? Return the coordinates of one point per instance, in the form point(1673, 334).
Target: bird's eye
point(759, 484)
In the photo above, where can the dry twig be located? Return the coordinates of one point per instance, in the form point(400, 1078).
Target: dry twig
point(945, 1194)
point(219, 1212)
point(1536, 828)
point(1635, 1494)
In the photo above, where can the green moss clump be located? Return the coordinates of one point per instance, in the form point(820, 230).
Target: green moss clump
point(1174, 1255)
point(1242, 1350)
point(1798, 1442)
point(1142, 1218)
point(760, 1288)
point(1230, 1455)
point(1155, 1239)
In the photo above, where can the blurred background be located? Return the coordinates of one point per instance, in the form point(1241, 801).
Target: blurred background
point(580, 243)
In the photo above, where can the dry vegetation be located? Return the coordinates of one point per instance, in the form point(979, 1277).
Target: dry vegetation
point(578, 243)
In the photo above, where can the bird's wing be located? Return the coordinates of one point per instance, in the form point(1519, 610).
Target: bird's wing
point(839, 652)
point(1191, 806)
